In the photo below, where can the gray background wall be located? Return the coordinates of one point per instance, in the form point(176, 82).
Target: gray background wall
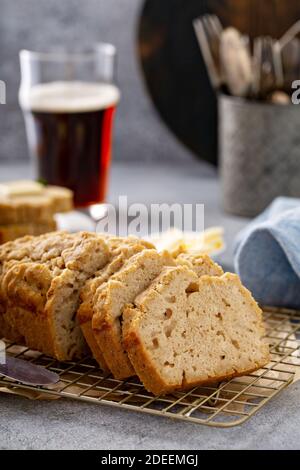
point(36, 24)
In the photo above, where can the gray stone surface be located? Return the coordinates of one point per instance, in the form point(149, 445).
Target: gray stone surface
point(64, 424)
point(38, 24)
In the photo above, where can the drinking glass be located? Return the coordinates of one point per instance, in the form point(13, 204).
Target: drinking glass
point(68, 100)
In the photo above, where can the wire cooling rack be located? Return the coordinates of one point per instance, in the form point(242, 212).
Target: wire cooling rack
point(221, 405)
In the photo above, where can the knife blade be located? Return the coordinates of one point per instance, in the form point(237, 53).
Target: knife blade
point(27, 373)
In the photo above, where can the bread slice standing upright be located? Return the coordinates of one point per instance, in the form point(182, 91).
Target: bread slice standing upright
point(120, 249)
point(110, 299)
point(185, 331)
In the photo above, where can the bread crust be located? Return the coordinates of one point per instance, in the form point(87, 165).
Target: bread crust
point(7, 330)
point(34, 329)
point(201, 264)
point(89, 336)
point(108, 338)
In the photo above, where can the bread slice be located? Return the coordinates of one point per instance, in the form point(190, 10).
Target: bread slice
point(41, 278)
point(13, 231)
point(35, 204)
point(121, 249)
point(110, 299)
point(185, 331)
point(62, 198)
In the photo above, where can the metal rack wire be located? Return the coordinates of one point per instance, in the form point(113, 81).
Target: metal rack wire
point(221, 405)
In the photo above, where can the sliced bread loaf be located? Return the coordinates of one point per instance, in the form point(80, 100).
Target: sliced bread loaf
point(110, 299)
point(41, 278)
point(184, 331)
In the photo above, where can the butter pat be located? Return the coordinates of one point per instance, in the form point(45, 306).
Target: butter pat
point(20, 188)
point(210, 241)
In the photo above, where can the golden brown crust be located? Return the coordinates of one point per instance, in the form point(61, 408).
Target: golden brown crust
point(26, 285)
point(9, 331)
point(35, 329)
point(107, 333)
point(85, 311)
point(93, 345)
point(113, 351)
point(117, 244)
point(57, 251)
point(201, 264)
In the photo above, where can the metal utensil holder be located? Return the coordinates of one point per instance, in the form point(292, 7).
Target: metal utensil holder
point(259, 153)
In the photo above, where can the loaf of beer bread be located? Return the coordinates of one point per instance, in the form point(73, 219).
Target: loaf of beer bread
point(41, 279)
point(175, 323)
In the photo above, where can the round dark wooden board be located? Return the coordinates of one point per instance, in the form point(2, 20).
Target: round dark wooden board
point(172, 64)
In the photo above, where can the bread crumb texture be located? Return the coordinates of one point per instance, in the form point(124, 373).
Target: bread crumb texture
point(183, 331)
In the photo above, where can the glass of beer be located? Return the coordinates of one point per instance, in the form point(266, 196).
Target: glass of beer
point(69, 100)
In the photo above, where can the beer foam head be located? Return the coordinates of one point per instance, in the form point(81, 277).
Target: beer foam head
point(69, 97)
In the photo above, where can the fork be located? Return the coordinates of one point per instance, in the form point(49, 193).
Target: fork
point(268, 71)
point(289, 34)
point(208, 29)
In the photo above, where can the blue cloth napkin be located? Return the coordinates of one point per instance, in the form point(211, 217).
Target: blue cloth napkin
point(267, 254)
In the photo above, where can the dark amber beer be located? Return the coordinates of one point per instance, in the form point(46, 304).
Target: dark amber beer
point(69, 127)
